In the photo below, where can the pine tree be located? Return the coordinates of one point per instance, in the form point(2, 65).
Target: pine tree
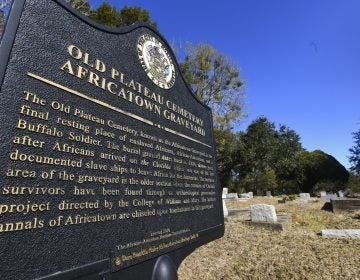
point(354, 158)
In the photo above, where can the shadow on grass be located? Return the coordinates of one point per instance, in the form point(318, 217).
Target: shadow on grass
point(327, 207)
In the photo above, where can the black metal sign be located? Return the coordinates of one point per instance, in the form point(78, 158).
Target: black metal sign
point(108, 160)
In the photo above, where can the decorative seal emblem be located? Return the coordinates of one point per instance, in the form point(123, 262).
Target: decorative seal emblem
point(156, 61)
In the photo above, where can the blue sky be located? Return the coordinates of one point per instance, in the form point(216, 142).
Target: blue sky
point(300, 60)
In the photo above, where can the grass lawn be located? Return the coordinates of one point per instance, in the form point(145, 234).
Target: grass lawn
point(246, 252)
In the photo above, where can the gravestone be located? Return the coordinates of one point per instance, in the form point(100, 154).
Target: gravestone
point(329, 197)
point(341, 233)
point(268, 194)
point(341, 194)
point(322, 193)
point(246, 195)
point(340, 205)
point(264, 216)
point(232, 196)
point(108, 160)
point(225, 210)
point(304, 196)
point(263, 213)
point(225, 192)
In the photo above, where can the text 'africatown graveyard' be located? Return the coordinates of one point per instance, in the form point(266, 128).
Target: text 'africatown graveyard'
point(108, 160)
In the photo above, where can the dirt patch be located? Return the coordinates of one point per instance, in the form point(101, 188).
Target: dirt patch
point(300, 252)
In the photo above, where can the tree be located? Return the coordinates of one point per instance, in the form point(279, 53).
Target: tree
point(131, 15)
point(266, 157)
point(82, 6)
point(286, 161)
point(106, 14)
point(353, 187)
point(260, 182)
point(261, 144)
point(266, 180)
point(316, 167)
point(261, 141)
point(215, 81)
point(225, 141)
point(355, 154)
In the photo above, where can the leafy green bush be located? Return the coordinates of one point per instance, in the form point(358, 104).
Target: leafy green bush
point(289, 197)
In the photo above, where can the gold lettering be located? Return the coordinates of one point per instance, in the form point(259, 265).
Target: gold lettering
point(67, 67)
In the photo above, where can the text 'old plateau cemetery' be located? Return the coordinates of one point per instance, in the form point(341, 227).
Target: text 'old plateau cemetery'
point(108, 159)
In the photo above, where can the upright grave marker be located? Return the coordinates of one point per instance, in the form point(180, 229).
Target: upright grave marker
point(108, 160)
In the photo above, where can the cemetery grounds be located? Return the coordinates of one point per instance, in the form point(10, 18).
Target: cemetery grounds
point(248, 252)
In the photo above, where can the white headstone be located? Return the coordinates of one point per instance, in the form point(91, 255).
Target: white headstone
point(224, 193)
point(341, 194)
point(244, 195)
point(251, 194)
point(263, 213)
point(341, 233)
point(268, 193)
point(305, 196)
point(322, 193)
point(225, 210)
point(328, 197)
point(232, 196)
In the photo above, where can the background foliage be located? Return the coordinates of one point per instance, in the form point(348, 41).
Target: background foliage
point(264, 157)
point(355, 154)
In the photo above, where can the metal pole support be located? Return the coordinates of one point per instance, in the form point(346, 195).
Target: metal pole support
point(164, 269)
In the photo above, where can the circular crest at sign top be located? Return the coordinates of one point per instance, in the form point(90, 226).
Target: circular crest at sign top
point(156, 61)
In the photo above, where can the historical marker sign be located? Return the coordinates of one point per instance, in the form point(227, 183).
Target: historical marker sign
point(108, 160)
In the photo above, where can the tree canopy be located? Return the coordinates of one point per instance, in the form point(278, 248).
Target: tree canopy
point(105, 14)
point(215, 81)
point(82, 6)
point(355, 154)
point(108, 15)
point(265, 156)
point(131, 15)
point(316, 167)
point(270, 157)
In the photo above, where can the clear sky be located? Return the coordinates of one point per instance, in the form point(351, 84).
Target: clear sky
point(300, 60)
